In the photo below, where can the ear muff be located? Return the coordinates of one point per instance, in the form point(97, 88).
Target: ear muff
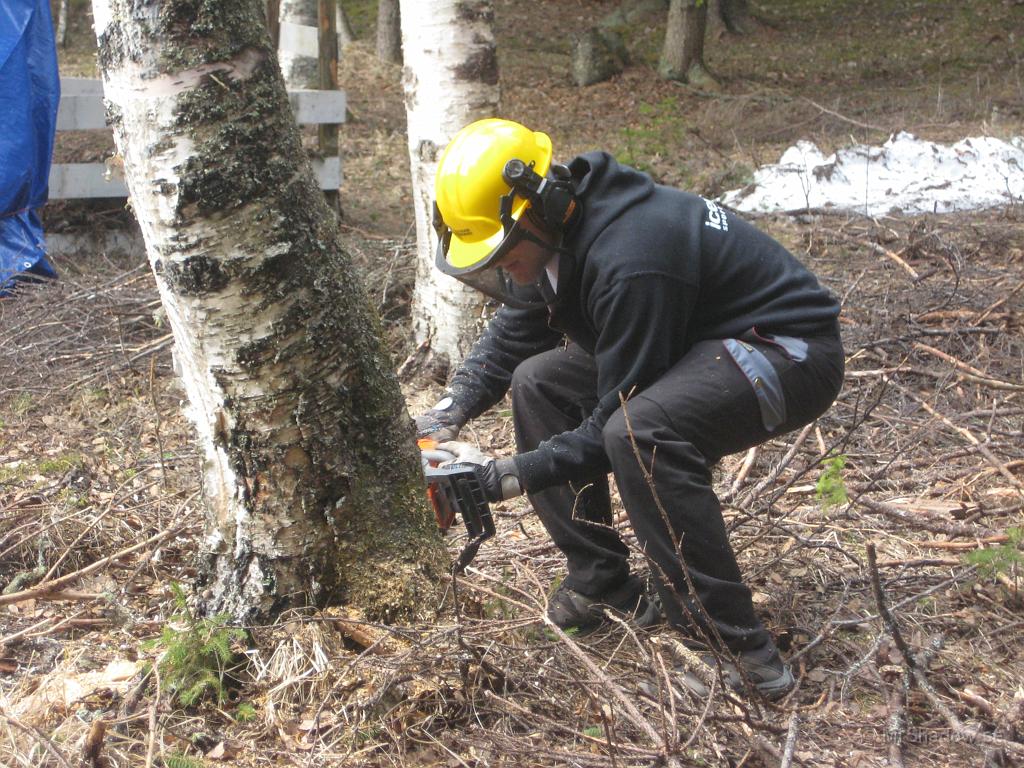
point(553, 199)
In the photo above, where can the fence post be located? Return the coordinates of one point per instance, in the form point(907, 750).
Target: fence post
point(327, 134)
point(274, 21)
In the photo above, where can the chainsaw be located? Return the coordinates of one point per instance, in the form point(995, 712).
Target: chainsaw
point(454, 490)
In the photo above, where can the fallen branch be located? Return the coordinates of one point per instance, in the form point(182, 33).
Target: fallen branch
point(966, 433)
point(923, 521)
point(92, 749)
point(996, 305)
point(921, 562)
point(778, 470)
point(53, 589)
point(844, 118)
point(741, 475)
point(960, 546)
point(896, 703)
point(791, 736)
point(69, 595)
point(26, 631)
point(40, 737)
point(151, 721)
point(971, 373)
point(967, 733)
point(566, 729)
point(898, 259)
point(610, 686)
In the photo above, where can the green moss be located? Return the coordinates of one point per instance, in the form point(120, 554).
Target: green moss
point(831, 488)
point(71, 498)
point(96, 396)
point(50, 467)
point(12, 474)
point(21, 403)
point(58, 465)
point(362, 15)
point(656, 134)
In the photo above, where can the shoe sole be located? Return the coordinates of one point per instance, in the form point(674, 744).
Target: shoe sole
point(772, 690)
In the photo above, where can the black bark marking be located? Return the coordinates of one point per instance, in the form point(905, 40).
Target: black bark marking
point(473, 13)
point(480, 66)
point(196, 275)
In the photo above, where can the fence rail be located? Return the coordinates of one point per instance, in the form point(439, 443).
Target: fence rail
point(82, 109)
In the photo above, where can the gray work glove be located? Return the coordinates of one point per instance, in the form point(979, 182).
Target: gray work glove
point(498, 478)
point(442, 422)
point(435, 457)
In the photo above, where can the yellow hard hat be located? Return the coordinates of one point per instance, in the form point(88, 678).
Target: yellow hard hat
point(468, 187)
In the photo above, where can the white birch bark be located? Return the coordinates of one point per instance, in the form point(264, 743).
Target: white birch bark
point(298, 414)
point(297, 43)
point(345, 34)
point(302, 44)
point(451, 79)
point(62, 23)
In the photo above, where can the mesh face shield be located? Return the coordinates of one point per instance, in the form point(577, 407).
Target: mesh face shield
point(485, 275)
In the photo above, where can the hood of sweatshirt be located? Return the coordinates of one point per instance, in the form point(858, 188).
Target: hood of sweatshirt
point(605, 190)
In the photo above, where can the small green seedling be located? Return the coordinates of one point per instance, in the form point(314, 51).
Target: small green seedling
point(1007, 558)
point(178, 760)
point(246, 712)
point(831, 488)
point(195, 657)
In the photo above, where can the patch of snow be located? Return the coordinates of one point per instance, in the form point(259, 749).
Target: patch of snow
point(905, 175)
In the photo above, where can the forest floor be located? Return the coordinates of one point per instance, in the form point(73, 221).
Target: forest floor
point(895, 593)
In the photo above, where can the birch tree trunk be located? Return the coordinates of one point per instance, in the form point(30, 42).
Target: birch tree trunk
point(450, 79)
point(297, 43)
point(345, 34)
point(311, 476)
point(62, 23)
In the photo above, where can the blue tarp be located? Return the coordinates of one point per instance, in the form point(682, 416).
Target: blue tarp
point(29, 96)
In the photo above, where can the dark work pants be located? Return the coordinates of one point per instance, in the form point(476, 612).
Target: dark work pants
point(701, 410)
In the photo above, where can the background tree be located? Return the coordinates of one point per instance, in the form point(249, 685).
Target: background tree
point(312, 481)
point(389, 31)
point(450, 79)
point(345, 33)
point(62, 23)
point(296, 48)
point(274, 21)
point(734, 14)
point(298, 52)
point(682, 56)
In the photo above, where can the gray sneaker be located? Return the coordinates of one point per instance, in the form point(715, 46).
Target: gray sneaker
point(763, 667)
point(569, 609)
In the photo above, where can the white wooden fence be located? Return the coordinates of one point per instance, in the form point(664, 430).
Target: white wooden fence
point(81, 109)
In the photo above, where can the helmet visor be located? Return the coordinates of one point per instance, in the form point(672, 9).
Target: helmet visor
point(484, 274)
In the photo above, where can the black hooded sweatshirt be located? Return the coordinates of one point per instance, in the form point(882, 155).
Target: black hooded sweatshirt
point(653, 270)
